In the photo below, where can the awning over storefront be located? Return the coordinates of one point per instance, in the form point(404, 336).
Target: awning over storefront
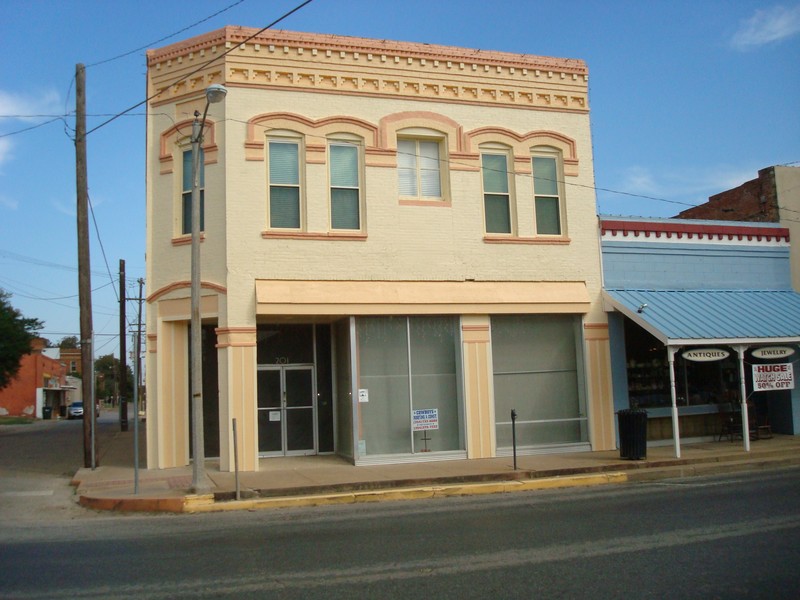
point(693, 317)
point(738, 318)
point(290, 298)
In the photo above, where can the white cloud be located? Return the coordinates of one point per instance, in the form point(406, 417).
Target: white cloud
point(26, 107)
point(767, 26)
point(16, 109)
point(9, 203)
point(5, 150)
point(672, 191)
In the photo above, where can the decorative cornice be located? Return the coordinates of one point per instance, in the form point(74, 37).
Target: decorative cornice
point(698, 231)
point(351, 65)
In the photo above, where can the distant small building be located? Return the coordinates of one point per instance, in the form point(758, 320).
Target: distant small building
point(71, 357)
point(40, 382)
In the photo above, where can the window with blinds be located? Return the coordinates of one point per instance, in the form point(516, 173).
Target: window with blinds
point(419, 169)
point(345, 188)
point(186, 194)
point(284, 184)
point(547, 195)
point(496, 193)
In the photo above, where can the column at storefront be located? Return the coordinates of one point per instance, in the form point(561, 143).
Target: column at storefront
point(237, 397)
point(598, 377)
point(167, 408)
point(478, 388)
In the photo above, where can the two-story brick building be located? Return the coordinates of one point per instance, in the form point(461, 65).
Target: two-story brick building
point(399, 247)
point(39, 384)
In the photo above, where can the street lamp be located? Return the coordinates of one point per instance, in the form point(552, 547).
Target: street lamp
point(214, 93)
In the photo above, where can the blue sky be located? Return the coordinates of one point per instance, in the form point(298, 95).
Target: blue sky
point(687, 98)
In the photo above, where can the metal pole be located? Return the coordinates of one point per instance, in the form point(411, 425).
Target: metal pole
point(200, 483)
point(676, 433)
point(123, 357)
point(91, 407)
point(236, 460)
point(514, 434)
point(196, 387)
point(136, 416)
point(743, 393)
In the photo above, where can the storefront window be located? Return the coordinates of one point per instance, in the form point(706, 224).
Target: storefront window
point(406, 365)
point(648, 368)
point(696, 383)
point(536, 373)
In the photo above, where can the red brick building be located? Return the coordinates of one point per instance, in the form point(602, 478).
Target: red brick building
point(40, 382)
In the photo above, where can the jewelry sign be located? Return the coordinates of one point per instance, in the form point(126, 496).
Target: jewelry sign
point(773, 377)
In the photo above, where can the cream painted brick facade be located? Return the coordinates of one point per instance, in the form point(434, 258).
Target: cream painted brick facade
point(321, 86)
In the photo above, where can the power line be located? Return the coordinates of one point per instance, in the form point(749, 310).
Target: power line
point(158, 41)
point(32, 127)
point(201, 67)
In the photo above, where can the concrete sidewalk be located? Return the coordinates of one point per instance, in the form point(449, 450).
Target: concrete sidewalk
point(318, 480)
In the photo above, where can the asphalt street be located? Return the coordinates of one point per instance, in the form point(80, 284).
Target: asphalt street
point(704, 537)
point(38, 463)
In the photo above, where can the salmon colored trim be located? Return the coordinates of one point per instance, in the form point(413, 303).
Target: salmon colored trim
point(690, 230)
point(391, 124)
point(178, 285)
point(538, 138)
point(526, 240)
point(186, 239)
point(305, 235)
point(438, 203)
point(236, 337)
point(170, 137)
point(230, 36)
point(254, 140)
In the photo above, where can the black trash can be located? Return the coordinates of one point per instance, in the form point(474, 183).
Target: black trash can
point(633, 433)
point(47, 412)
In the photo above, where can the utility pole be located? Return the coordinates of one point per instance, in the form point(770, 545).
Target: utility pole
point(123, 364)
point(84, 268)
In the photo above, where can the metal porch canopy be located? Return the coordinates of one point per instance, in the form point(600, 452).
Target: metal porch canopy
point(692, 317)
point(738, 318)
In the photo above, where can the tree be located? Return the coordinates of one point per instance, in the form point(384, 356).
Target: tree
point(106, 370)
point(69, 342)
point(16, 334)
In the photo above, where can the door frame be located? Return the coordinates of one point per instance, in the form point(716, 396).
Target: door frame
point(281, 369)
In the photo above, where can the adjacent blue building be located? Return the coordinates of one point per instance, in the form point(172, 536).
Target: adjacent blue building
point(693, 306)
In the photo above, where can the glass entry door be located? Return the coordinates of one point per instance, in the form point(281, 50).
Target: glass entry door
point(286, 410)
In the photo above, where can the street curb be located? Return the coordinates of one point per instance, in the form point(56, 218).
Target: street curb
point(414, 493)
point(627, 473)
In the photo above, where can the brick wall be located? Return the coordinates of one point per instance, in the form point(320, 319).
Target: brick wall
point(755, 200)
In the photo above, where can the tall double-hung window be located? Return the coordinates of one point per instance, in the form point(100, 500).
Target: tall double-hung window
point(186, 193)
point(284, 184)
point(547, 194)
point(496, 192)
point(345, 185)
point(419, 169)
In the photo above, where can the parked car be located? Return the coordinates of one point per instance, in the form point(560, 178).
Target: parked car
point(75, 410)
